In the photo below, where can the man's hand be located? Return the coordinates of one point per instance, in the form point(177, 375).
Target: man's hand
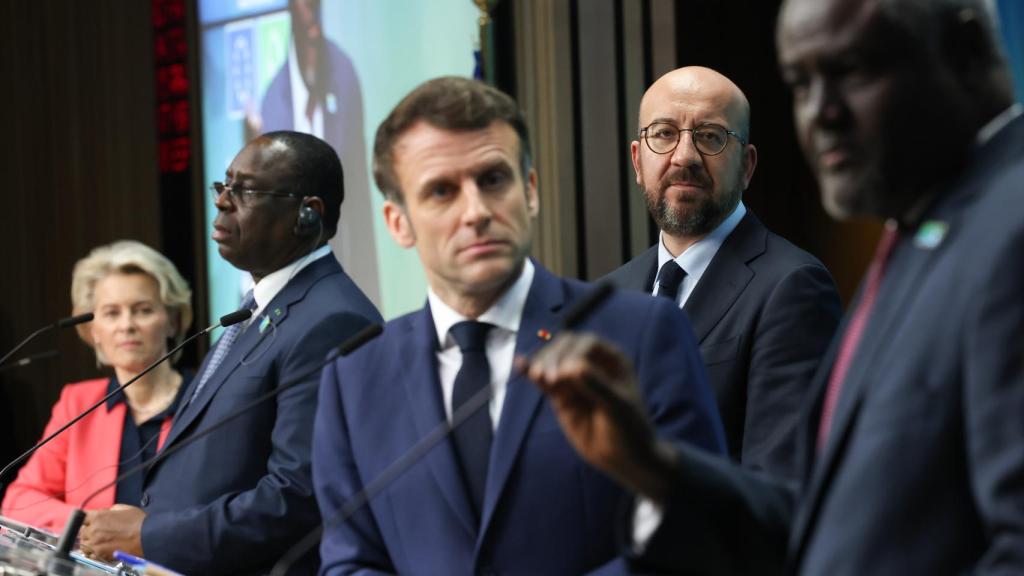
point(119, 528)
point(593, 392)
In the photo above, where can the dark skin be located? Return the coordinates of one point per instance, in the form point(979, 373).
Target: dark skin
point(870, 100)
point(594, 394)
point(257, 237)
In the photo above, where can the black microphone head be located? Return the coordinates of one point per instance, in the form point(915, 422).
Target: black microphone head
point(367, 333)
point(586, 304)
point(235, 317)
point(75, 320)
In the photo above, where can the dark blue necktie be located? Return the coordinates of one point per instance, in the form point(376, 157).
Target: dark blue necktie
point(669, 278)
point(473, 437)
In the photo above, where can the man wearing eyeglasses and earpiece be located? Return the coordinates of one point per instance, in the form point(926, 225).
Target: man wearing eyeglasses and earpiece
point(235, 500)
point(763, 310)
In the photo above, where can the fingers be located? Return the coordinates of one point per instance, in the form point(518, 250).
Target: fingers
point(581, 366)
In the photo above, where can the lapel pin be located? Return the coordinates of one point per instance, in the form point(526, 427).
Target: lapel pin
point(543, 334)
point(930, 234)
point(277, 311)
point(264, 323)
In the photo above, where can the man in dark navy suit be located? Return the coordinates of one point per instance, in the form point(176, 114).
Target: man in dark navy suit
point(505, 494)
point(234, 501)
point(763, 310)
point(913, 446)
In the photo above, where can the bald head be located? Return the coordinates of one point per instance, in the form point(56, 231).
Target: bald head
point(703, 89)
point(693, 183)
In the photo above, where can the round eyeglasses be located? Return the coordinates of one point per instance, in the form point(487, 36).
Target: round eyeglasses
point(709, 139)
point(245, 196)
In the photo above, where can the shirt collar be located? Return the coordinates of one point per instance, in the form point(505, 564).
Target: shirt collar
point(910, 219)
point(271, 284)
point(993, 126)
point(300, 93)
point(186, 378)
point(697, 257)
point(505, 314)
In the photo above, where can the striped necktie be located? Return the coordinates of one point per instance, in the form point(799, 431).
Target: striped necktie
point(223, 346)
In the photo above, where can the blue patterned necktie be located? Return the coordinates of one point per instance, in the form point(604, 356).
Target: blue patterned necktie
point(223, 346)
point(669, 278)
point(473, 436)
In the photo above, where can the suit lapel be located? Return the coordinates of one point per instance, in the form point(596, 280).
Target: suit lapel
point(252, 343)
point(522, 398)
point(638, 273)
point(894, 299)
point(241, 349)
point(726, 276)
point(906, 270)
point(419, 374)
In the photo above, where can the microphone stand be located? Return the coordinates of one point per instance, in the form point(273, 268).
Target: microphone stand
point(74, 523)
point(573, 317)
point(226, 320)
point(62, 323)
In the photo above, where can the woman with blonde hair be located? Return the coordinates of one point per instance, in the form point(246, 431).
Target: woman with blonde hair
point(142, 307)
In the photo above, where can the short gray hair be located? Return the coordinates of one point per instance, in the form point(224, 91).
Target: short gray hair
point(130, 257)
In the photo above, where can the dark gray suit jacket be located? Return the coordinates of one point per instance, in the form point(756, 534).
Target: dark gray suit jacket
point(764, 313)
point(924, 469)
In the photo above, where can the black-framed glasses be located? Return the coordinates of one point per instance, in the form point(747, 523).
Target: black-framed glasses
point(244, 196)
point(710, 139)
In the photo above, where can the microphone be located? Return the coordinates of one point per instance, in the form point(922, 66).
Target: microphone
point(364, 335)
point(62, 323)
point(226, 320)
point(22, 362)
point(573, 317)
point(235, 317)
point(74, 320)
point(351, 344)
point(61, 563)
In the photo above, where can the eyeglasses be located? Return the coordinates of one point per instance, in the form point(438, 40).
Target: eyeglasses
point(244, 196)
point(710, 139)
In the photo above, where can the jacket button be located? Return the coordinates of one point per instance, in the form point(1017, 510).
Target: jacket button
point(145, 499)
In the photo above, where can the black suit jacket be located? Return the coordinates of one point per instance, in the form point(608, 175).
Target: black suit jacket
point(764, 313)
point(924, 469)
point(234, 501)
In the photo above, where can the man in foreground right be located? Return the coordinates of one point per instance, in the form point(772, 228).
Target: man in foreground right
point(913, 449)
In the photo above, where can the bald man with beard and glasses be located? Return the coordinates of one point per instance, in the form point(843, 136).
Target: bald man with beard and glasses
point(912, 446)
point(763, 310)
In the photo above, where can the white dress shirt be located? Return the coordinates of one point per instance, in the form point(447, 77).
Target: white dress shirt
point(300, 96)
point(265, 290)
point(696, 259)
point(505, 316)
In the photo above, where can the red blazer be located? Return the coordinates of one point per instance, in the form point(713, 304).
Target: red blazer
point(62, 474)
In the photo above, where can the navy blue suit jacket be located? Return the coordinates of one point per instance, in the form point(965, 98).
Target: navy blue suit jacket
point(764, 313)
point(924, 469)
point(235, 500)
point(545, 510)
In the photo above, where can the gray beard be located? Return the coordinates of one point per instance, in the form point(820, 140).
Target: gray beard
point(701, 220)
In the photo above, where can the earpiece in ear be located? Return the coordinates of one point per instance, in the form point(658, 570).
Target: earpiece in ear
point(308, 222)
